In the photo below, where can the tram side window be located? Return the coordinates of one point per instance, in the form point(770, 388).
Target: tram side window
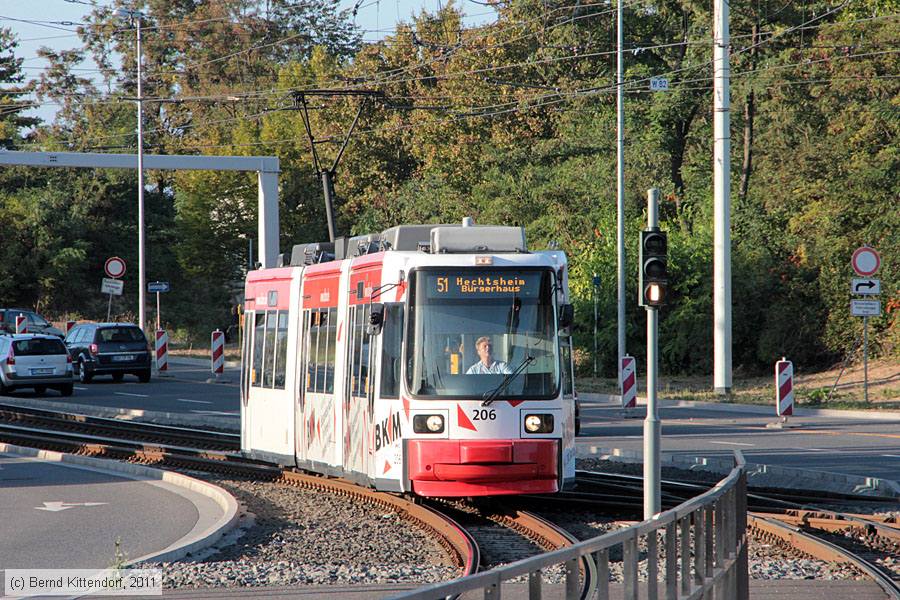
point(391, 343)
point(259, 339)
point(321, 352)
point(269, 361)
point(359, 371)
point(281, 337)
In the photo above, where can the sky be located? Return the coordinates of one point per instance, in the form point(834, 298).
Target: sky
point(376, 17)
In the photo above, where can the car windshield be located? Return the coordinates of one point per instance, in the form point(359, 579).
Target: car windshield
point(471, 328)
point(121, 334)
point(38, 347)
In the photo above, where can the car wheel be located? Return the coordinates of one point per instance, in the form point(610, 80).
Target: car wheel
point(40, 390)
point(144, 376)
point(83, 375)
point(66, 390)
point(118, 376)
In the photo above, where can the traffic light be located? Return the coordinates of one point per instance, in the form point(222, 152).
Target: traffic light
point(654, 276)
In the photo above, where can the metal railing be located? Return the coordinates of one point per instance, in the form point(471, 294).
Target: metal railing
point(701, 545)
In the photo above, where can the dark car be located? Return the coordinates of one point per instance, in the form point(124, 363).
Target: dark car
point(34, 322)
point(109, 349)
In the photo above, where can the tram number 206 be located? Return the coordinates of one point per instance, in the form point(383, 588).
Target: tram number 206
point(484, 414)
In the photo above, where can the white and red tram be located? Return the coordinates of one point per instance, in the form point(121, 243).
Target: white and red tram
point(360, 362)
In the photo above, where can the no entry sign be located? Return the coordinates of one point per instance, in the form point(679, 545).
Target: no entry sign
point(865, 261)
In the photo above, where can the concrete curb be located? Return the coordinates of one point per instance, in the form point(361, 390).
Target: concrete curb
point(187, 544)
point(201, 362)
point(132, 414)
point(758, 474)
point(755, 409)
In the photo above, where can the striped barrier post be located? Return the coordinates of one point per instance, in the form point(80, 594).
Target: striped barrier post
point(629, 383)
point(69, 326)
point(218, 352)
point(784, 388)
point(162, 350)
point(21, 324)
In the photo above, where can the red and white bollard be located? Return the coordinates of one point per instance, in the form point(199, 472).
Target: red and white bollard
point(629, 383)
point(21, 324)
point(784, 393)
point(217, 345)
point(784, 388)
point(69, 326)
point(162, 350)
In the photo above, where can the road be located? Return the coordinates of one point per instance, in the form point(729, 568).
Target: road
point(186, 391)
point(868, 448)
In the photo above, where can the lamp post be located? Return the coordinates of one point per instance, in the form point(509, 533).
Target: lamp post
point(134, 17)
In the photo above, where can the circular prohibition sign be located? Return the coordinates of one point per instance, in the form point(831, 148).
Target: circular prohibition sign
point(114, 267)
point(865, 261)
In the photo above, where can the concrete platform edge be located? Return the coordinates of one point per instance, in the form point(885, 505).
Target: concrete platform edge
point(759, 474)
point(182, 547)
point(132, 414)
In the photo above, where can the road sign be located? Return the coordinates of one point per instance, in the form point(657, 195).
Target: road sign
point(865, 287)
point(158, 286)
point(659, 84)
point(865, 261)
point(112, 286)
point(865, 308)
point(114, 267)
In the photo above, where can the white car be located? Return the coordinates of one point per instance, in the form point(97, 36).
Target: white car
point(33, 360)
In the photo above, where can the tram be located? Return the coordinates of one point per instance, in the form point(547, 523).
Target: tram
point(427, 359)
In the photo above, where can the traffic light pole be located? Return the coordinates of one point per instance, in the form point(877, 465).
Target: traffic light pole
point(652, 493)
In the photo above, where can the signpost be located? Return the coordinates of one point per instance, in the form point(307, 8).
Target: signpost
point(112, 285)
point(159, 287)
point(866, 262)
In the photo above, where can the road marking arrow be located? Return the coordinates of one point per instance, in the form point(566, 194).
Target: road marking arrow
point(58, 506)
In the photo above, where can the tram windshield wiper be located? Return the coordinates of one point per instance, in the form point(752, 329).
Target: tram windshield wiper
point(491, 395)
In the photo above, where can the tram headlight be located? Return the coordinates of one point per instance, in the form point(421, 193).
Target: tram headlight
point(428, 424)
point(539, 423)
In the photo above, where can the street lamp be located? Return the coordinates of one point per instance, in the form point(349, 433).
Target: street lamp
point(134, 16)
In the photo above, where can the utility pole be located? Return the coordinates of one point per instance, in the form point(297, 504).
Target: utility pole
point(596, 288)
point(620, 194)
point(135, 17)
point(722, 200)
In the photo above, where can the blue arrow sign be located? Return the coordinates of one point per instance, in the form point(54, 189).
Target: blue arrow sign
point(158, 286)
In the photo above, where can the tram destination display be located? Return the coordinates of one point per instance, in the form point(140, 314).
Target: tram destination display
point(467, 285)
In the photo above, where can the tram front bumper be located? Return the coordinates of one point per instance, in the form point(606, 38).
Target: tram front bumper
point(454, 468)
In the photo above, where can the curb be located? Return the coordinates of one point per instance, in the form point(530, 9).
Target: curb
point(133, 414)
point(757, 409)
point(758, 474)
point(201, 362)
point(187, 544)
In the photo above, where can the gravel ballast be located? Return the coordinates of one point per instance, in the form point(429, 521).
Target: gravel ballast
point(300, 537)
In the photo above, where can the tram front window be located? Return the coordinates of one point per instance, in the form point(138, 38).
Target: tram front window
point(470, 329)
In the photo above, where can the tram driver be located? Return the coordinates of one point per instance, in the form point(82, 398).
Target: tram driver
point(486, 364)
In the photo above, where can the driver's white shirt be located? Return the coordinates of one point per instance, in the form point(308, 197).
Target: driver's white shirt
point(498, 367)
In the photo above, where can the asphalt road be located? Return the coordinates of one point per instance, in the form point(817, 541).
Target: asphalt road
point(184, 391)
point(56, 516)
point(869, 448)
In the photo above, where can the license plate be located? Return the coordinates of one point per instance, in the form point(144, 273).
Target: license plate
point(123, 357)
point(42, 371)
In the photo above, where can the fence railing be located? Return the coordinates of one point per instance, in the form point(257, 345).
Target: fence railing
point(700, 544)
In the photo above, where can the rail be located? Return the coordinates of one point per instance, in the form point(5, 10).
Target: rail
point(703, 553)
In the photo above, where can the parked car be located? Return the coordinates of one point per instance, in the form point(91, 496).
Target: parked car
point(109, 349)
point(34, 360)
point(35, 323)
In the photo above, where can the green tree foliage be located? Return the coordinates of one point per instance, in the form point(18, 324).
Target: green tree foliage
point(510, 122)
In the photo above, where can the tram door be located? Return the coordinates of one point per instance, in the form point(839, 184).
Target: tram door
point(246, 346)
point(359, 392)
